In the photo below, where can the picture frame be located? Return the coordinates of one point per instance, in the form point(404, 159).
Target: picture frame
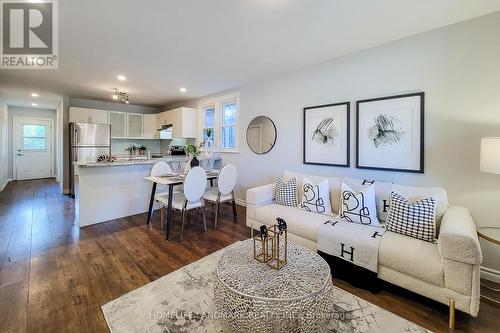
point(390, 133)
point(326, 134)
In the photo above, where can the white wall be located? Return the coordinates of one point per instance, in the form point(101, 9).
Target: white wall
point(457, 67)
point(27, 112)
point(4, 144)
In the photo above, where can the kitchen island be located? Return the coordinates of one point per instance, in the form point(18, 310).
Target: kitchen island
point(106, 191)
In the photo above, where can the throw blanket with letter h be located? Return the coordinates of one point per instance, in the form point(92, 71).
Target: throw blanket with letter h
point(353, 242)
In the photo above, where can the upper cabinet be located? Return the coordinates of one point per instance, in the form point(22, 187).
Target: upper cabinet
point(150, 128)
point(98, 116)
point(118, 121)
point(183, 121)
point(84, 115)
point(135, 126)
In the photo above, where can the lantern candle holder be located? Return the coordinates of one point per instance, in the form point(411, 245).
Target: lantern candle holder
point(270, 246)
point(263, 245)
point(279, 248)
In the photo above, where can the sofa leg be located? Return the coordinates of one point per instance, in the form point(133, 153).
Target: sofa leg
point(451, 324)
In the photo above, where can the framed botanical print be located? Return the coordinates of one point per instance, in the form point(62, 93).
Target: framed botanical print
point(390, 133)
point(326, 134)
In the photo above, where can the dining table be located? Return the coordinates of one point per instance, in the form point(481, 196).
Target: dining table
point(170, 181)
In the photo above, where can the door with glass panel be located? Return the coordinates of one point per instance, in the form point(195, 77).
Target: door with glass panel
point(32, 148)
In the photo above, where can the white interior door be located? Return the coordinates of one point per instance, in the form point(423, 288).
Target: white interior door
point(32, 148)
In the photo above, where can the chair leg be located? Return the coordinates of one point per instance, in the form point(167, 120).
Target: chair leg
point(183, 220)
point(451, 323)
point(216, 214)
point(204, 218)
point(235, 215)
point(162, 216)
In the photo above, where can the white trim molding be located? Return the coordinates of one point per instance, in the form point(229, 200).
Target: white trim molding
point(490, 274)
point(240, 202)
point(2, 187)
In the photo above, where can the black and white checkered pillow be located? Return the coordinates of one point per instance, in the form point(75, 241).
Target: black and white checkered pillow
point(286, 193)
point(415, 219)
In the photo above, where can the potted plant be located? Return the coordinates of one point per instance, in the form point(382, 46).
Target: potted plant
point(142, 150)
point(193, 151)
point(132, 150)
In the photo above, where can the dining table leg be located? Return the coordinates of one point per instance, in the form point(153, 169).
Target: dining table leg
point(151, 202)
point(169, 211)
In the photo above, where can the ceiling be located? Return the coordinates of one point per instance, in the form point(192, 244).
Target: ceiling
point(211, 46)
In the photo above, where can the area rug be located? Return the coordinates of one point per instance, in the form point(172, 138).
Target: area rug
point(183, 301)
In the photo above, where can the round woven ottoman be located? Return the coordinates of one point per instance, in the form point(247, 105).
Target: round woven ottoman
point(252, 297)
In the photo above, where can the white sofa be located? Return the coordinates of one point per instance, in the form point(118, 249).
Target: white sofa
point(448, 269)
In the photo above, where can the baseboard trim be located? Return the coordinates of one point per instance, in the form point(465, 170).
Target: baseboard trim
point(490, 274)
point(240, 202)
point(5, 184)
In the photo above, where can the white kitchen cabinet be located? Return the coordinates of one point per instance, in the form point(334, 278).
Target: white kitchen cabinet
point(135, 126)
point(98, 116)
point(150, 127)
point(183, 121)
point(118, 121)
point(84, 115)
point(79, 115)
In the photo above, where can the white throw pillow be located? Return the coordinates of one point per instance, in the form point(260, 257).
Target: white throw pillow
point(358, 206)
point(316, 197)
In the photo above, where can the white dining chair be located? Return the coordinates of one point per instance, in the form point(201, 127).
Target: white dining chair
point(160, 169)
point(226, 181)
point(194, 186)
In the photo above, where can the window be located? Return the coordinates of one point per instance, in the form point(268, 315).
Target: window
point(220, 119)
point(229, 110)
point(209, 125)
point(34, 137)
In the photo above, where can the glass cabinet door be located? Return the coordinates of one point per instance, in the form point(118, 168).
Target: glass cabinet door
point(135, 126)
point(118, 124)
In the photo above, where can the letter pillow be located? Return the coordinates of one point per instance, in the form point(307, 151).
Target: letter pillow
point(316, 197)
point(359, 207)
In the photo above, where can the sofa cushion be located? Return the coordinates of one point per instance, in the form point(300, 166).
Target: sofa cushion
point(414, 193)
point(315, 196)
point(300, 222)
point(333, 182)
point(412, 257)
point(382, 194)
point(358, 206)
point(416, 219)
point(286, 192)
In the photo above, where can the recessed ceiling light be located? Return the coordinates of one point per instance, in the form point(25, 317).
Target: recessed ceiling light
point(183, 90)
point(121, 77)
point(115, 96)
point(34, 95)
point(34, 104)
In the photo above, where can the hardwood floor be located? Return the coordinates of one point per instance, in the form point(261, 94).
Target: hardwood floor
point(54, 276)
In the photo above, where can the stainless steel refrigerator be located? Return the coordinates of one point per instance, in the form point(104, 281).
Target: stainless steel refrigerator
point(88, 141)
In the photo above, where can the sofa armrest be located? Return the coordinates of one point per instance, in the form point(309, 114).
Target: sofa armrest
point(458, 237)
point(257, 197)
point(260, 195)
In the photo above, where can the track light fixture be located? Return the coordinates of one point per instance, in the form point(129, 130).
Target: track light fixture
point(122, 96)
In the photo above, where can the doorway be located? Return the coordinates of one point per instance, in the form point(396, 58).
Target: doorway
point(33, 153)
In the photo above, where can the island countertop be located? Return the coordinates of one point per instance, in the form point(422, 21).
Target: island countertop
point(138, 161)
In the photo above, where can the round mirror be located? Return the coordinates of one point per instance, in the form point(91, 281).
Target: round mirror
point(261, 135)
